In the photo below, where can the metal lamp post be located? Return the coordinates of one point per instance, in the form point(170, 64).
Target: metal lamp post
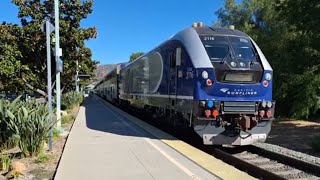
point(48, 28)
point(58, 53)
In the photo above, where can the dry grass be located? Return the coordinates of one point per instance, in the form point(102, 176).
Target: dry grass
point(297, 135)
point(298, 123)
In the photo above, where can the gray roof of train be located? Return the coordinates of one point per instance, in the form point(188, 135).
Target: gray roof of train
point(218, 31)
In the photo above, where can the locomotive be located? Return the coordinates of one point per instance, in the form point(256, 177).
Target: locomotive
point(215, 81)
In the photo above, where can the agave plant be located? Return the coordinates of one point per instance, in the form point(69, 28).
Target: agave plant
point(6, 136)
point(25, 124)
point(30, 128)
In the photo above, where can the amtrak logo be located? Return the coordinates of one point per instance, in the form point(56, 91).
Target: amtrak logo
point(224, 90)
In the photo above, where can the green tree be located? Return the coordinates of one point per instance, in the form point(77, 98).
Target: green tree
point(286, 32)
point(72, 36)
point(10, 59)
point(134, 56)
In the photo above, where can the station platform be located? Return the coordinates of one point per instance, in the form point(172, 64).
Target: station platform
point(107, 143)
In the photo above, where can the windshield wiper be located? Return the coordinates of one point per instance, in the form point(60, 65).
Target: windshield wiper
point(224, 59)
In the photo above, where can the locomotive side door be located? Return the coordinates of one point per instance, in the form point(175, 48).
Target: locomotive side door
point(175, 60)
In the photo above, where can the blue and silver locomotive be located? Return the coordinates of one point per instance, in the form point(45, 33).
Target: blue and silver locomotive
point(214, 80)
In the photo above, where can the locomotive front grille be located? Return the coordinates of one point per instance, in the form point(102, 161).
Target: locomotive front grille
point(239, 107)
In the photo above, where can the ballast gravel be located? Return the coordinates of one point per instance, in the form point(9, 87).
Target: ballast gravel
point(298, 155)
point(285, 171)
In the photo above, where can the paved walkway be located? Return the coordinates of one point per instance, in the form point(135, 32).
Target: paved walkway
point(105, 145)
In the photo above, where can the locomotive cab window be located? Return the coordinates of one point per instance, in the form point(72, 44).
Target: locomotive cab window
point(217, 47)
point(243, 50)
point(237, 52)
point(234, 58)
point(217, 52)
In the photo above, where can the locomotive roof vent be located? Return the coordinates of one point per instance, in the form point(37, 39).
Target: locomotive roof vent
point(194, 24)
point(197, 24)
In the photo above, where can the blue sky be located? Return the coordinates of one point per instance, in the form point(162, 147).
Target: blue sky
point(127, 26)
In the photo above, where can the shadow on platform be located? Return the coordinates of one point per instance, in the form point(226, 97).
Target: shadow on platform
point(100, 117)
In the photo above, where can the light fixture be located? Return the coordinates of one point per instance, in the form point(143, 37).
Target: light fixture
point(269, 104)
point(205, 75)
point(268, 76)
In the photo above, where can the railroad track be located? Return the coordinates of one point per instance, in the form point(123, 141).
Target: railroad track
point(264, 164)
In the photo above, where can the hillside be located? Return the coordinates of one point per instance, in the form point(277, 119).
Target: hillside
point(103, 70)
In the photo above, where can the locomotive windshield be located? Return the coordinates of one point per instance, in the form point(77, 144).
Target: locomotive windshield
point(243, 49)
point(235, 51)
point(216, 47)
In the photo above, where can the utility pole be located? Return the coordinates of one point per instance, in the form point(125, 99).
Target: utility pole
point(48, 29)
point(58, 63)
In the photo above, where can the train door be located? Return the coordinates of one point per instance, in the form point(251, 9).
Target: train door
point(175, 60)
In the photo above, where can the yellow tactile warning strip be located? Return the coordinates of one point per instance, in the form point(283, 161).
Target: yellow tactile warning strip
point(208, 162)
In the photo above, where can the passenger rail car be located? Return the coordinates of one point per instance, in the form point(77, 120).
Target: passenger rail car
point(108, 88)
point(216, 81)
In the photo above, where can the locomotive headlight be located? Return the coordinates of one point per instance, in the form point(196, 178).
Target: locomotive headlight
point(268, 76)
point(264, 104)
point(205, 75)
point(202, 103)
point(269, 104)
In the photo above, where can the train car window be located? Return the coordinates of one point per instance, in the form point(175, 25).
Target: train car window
point(178, 56)
point(137, 74)
point(155, 71)
point(128, 84)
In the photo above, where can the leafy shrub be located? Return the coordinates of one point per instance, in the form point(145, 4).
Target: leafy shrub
point(25, 124)
point(316, 144)
point(56, 133)
point(71, 99)
point(66, 119)
point(5, 162)
point(42, 158)
point(6, 136)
